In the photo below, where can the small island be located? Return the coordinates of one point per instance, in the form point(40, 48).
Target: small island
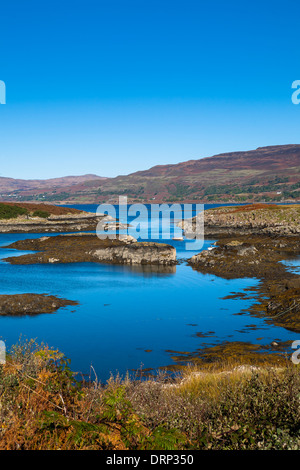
point(84, 247)
point(31, 304)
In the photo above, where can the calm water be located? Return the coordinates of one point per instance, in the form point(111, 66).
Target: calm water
point(129, 317)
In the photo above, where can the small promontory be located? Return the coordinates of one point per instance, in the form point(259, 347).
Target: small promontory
point(252, 219)
point(37, 218)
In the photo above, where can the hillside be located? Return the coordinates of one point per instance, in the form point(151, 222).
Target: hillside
point(261, 175)
point(11, 185)
point(254, 175)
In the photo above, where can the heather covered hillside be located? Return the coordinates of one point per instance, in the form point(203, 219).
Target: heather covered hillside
point(268, 173)
point(261, 175)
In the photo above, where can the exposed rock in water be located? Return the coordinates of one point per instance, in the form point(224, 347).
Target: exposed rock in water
point(89, 248)
point(250, 256)
point(31, 304)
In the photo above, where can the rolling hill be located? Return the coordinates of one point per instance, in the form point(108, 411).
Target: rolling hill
point(11, 184)
point(264, 174)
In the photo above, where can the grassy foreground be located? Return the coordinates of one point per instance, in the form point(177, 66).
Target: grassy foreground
point(42, 406)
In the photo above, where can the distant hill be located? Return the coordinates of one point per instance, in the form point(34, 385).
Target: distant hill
point(11, 184)
point(264, 174)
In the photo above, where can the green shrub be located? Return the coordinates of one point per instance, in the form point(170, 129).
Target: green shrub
point(11, 212)
point(40, 213)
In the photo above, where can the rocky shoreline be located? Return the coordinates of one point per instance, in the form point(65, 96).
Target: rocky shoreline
point(254, 243)
point(278, 293)
point(253, 219)
point(74, 223)
point(39, 218)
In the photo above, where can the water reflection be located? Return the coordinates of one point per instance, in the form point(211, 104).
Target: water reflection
point(151, 269)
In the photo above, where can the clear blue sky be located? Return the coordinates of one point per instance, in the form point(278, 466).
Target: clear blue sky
point(111, 87)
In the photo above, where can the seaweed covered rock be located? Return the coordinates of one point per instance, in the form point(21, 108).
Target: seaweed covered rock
point(31, 304)
point(79, 248)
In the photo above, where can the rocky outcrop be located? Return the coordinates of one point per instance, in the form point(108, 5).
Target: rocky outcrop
point(250, 256)
point(83, 221)
point(254, 219)
point(89, 248)
point(136, 253)
point(31, 304)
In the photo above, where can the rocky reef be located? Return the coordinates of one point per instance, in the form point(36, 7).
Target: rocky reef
point(31, 304)
point(78, 248)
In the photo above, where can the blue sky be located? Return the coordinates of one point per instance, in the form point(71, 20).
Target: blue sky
point(111, 87)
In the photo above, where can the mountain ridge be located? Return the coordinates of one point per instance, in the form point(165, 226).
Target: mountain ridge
point(265, 173)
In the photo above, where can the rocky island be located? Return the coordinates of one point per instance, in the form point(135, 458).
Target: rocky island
point(31, 304)
point(83, 247)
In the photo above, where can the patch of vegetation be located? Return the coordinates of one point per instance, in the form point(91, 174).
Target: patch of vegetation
point(133, 191)
point(11, 212)
point(49, 197)
point(42, 214)
point(257, 189)
point(43, 406)
point(179, 190)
